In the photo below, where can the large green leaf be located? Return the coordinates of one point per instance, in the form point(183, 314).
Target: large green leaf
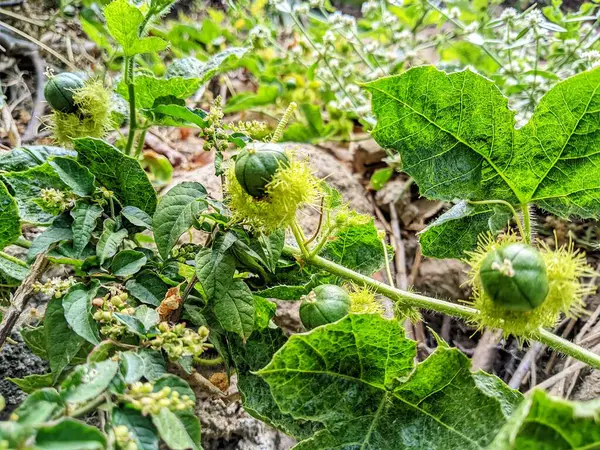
point(458, 229)
point(128, 262)
point(545, 423)
point(255, 392)
point(85, 216)
point(109, 241)
point(123, 21)
point(69, 434)
point(457, 139)
point(150, 91)
point(89, 381)
point(10, 271)
point(27, 186)
point(23, 158)
point(74, 175)
point(10, 223)
point(180, 431)
point(118, 172)
point(176, 213)
point(78, 310)
point(59, 231)
point(148, 288)
point(357, 378)
point(62, 343)
point(40, 406)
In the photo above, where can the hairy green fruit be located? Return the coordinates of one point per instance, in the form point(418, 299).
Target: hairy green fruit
point(515, 277)
point(59, 91)
point(256, 166)
point(325, 304)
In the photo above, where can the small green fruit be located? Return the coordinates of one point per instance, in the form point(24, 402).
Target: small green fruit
point(59, 91)
point(515, 277)
point(325, 304)
point(256, 166)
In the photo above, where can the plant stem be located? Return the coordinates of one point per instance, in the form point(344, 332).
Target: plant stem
point(132, 111)
point(388, 270)
point(13, 259)
point(141, 142)
point(22, 242)
point(88, 408)
point(441, 306)
point(526, 222)
point(297, 232)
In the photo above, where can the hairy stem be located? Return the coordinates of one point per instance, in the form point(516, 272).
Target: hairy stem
point(132, 111)
point(522, 232)
point(13, 259)
point(526, 222)
point(441, 306)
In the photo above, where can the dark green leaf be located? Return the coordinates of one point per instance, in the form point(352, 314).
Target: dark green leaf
point(89, 381)
point(85, 216)
point(177, 434)
point(148, 288)
point(33, 382)
point(57, 330)
point(24, 158)
point(10, 270)
point(78, 310)
point(74, 175)
point(141, 428)
point(69, 434)
point(109, 241)
point(59, 231)
point(176, 213)
point(118, 172)
point(132, 367)
point(10, 223)
point(35, 339)
point(357, 378)
point(137, 217)
point(149, 90)
point(459, 228)
point(128, 262)
point(40, 406)
point(154, 364)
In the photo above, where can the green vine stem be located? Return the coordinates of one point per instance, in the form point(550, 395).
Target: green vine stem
point(451, 309)
point(525, 233)
point(13, 259)
point(129, 69)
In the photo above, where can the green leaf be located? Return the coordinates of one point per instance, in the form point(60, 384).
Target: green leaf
point(123, 21)
point(128, 262)
point(154, 364)
point(264, 311)
point(27, 186)
point(357, 378)
point(23, 158)
point(35, 338)
point(148, 288)
point(78, 178)
point(141, 321)
point(265, 95)
point(109, 241)
point(256, 395)
point(137, 217)
point(380, 177)
point(358, 247)
point(178, 433)
point(89, 381)
point(150, 91)
point(193, 68)
point(545, 423)
point(69, 434)
point(78, 310)
point(459, 228)
point(175, 115)
point(85, 216)
point(59, 231)
point(132, 367)
point(10, 223)
point(33, 382)
point(40, 406)
point(118, 172)
point(57, 330)
point(176, 213)
point(11, 270)
point(140, 427)
point(457, 139)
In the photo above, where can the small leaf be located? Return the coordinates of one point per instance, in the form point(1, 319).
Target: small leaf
point(380, 177)
point(141, 428)
point(177, 434)
point(59, 231)
point(118, 172)
point(78, 310)
point(176, 213)
point(78, 178)
point(69, 434)
point(85, 216)
point(89, 381)
point(137, 217)
point(132, 367)
point(10, 223)
point(57, 330)
point(123, 21)
point(127, 263)
point(109, 241)
point(147, 316)
point(154, 364)
point(11, 270)
point(148, 288)
point(40, 406)
point(33, 382)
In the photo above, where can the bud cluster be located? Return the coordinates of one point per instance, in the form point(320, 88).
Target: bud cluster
point(124, 438)
point(55, 199)
point(178, 341)
point(142, 397)
point(185, 252)
point(54, 287)
point(108, 305)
